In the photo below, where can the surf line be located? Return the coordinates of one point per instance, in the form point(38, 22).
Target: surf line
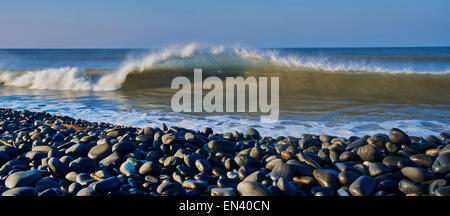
point(213, 101)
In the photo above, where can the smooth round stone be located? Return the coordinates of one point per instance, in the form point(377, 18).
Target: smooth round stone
point(301, 168)
point(228, 191)
point(409, 187)
point(442, 163)
point(77, 150)
point(251, 188)
point(282, 170)
point(378, 140)
point(123, 147)
point(168, 138)
point(190, 159)
point(434, 139)
point(251, 132)
point(51, 192)
point(422, 159)
point(22, 178)
point(100, 151)
point(326, 178)
point(388, 185)
point(306, 180)
point(392, 147)
point(42, 148)
point(303, 157)
point(112, 160)
point(127, 168)
point(203, 165)
point(167, 188)
point(342, 192)
point(442, 191)
point(66, 159)
point(445, 150)
point(172, 161)
point(56, 166)
point(83, 164)
point(150, 168)
point(20, 191)
point(224, 182)
point(87, 191)
point(72, 176)
point(47, 183)
point(397, 136)
point(286, 188)
point(405, 163)
point(347, 156)
point(376, 169)
point(306, 143)
point(356, 144)
point(322, 191)
point(347, 177)
point(256, 176)
point(363, 186)
point(195, 184)
point(436, 184)
point(34, 155)
point(256, 153)
point(417, 174)
point(84, 179)
point(107, 184)
point(186, 171)
point(221, 145)
point(369, 153)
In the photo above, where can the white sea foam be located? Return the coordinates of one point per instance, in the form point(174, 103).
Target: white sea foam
point(70, 78)
point(221, 123)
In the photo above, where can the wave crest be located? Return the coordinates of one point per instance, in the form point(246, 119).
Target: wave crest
point(194, 56)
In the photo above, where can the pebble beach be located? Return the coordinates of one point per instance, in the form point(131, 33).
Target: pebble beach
point(47, 155)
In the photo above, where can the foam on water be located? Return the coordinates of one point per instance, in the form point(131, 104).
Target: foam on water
point(221, 123)
point(192, 55)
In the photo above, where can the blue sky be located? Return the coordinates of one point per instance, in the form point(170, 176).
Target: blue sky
point(146, 24)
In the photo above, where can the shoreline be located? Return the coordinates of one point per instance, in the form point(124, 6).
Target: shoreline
point(43, 154)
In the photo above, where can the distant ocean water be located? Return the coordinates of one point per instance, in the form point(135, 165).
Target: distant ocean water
point(337, 91)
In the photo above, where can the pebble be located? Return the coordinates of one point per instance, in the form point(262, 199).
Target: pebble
point(442, 191)
point(107, 184)
point(286, 188)
point(282, 170)
point(22, 178)
point(20, 191)
point(252, 188)
point(221, 145)
point(363, 186)
point(57, 167)
point(422, 159)
point(417, 174)
point(397, 136)
point(228, 191)
point(347, 177)
point(83, 164)
point(100, 151)
point(369, 153)
point(442, 163)
point(47, 183)
point(195, 184)
point(326, 178)
point(409, 187)
point(167, 188)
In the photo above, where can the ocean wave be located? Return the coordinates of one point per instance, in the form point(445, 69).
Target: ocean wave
point(216, 59)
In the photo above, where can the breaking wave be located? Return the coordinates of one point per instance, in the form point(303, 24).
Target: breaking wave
point(214, 59)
